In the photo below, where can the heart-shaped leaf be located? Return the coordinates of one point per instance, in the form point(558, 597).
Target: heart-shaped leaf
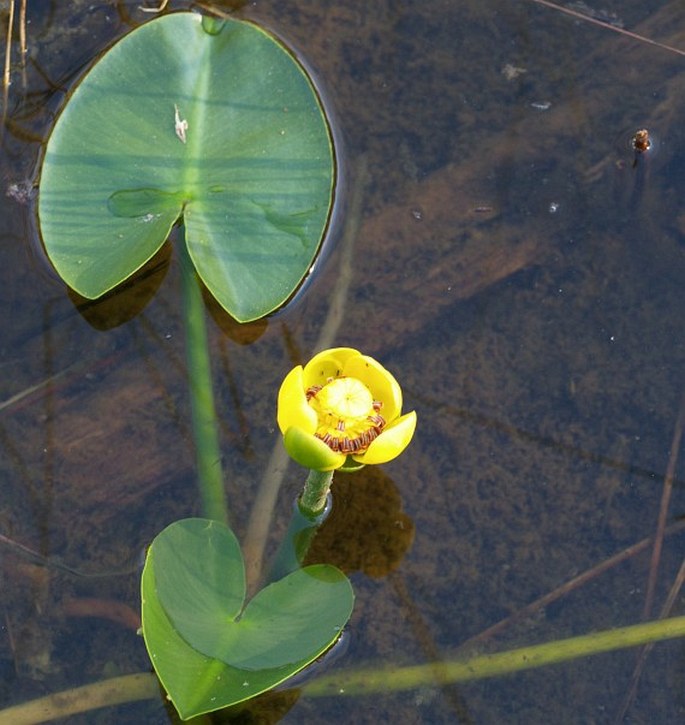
point(217, 124)
point(197, 684)
point(200, 578)
point(206, 653)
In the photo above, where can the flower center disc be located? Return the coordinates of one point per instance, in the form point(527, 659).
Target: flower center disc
point(348, 414)
point(346, 399)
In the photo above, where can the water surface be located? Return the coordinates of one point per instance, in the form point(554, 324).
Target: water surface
point(512, 267)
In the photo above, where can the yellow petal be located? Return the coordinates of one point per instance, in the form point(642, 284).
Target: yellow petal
point(293, 408)
point(379, 381)
point(327, 364)
point(391, 442)
point(311, 452)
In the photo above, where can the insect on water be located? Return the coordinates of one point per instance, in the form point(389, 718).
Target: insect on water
point(642, 143)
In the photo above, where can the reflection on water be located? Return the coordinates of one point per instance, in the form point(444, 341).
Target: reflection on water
point(522, 280)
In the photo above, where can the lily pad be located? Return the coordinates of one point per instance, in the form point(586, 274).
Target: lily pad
point(208, 649)
point(217, 124)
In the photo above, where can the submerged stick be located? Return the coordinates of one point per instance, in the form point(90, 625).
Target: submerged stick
point(608, 26)
point(663, 509)
point(8, 48)
point(567, 587)
point(646, 649)
point(8, 67)
point(654, 564)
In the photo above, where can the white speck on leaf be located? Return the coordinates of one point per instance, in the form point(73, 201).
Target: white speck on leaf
point(180, 125)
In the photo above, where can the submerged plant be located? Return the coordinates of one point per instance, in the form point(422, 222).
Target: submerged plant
point(141, 146)
point(214, 124)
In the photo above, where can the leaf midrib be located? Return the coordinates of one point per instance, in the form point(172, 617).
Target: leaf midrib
point(196, 89)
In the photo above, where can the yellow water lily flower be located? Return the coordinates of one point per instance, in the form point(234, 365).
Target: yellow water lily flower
point(343, 409)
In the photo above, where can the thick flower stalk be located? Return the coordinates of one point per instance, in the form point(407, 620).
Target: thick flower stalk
point(342, 410)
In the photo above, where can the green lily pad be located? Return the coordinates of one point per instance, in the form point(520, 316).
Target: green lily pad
point(210, 651)
point(216, 124)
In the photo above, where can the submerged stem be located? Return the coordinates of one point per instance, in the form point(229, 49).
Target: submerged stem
point(205, 429)
point(144, 685)
point(366, 681)
point(105, 693)
point(299, 536)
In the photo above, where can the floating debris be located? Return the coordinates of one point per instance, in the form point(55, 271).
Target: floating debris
point(511, 72)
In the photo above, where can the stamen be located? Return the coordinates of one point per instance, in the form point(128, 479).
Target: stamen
point(311, 392)
point(377, 420)
point(347, 445)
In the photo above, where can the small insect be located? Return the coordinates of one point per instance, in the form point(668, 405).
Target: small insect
point(641, 143)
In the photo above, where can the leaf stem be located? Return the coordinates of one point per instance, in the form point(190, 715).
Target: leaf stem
point(203, 412)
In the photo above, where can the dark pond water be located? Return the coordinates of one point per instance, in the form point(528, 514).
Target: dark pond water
point(500, 253)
